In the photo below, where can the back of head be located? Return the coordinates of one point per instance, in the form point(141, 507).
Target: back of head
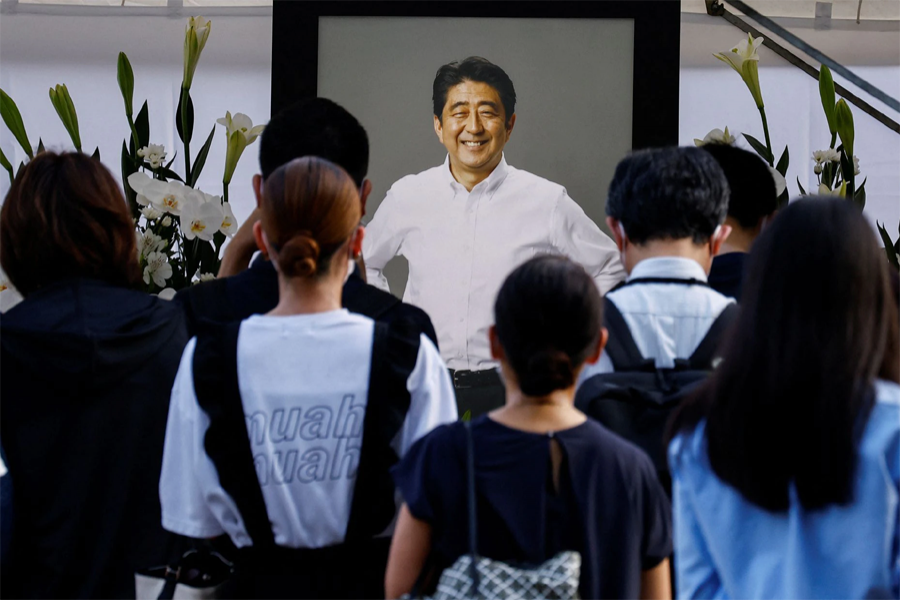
point(668, 194)
point(818, 323)
point(315, 127)
point(750, 182)
point(64, 216)
point(310, 209)
point(475, 69)
point(548, 318)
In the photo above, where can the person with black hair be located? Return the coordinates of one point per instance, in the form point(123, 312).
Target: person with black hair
point(786, 463)
point(547, 478)
point(464, 225)
point(311, 127)
point(752, 202)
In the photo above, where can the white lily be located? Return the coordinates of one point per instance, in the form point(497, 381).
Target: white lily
point(716, 136)
point(229, 224)
point(744, 59)
point(195, 35)
point(240, 133)
point(201, 220)
point(780, 183)
point(158, 269)
point(154, 154)
point(824, 190)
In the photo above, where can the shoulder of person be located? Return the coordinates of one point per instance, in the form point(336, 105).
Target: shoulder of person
point(610, 451)
point(415, 182)
point(517, 178)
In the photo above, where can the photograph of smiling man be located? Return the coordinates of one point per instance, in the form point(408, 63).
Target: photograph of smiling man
point(466, 224)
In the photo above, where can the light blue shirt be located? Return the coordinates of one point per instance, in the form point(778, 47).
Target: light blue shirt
point(666, 320)
point(726, 547)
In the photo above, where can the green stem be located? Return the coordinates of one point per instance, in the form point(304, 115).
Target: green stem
point(134, 135)
point(185, 97)
point(225, 192)
point(762, 113)
point(833, 140)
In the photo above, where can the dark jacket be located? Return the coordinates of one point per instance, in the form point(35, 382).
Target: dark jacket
point(255, 291)
point(87, 374)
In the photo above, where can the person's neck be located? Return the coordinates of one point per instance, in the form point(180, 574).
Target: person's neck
point(683, 248)
point(469, 178)
point(740, 238)
point(538, 414)
point(302, 295)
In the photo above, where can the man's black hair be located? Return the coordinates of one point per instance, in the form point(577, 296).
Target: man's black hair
point(315, 127)
point(668, 193)
point(477, 69)
point(750, 182)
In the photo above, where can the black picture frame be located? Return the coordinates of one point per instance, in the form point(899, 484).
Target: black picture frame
point(657, 43)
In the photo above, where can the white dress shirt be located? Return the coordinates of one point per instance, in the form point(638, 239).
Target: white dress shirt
point(461, 246)
point(666, 320)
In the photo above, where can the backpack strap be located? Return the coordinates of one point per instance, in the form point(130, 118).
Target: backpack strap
point(395, 349)
point(227, 441)
point(621, 348)
point(703, 357)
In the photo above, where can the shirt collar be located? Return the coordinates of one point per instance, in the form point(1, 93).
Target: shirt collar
point(490, 184)
point(672, 267)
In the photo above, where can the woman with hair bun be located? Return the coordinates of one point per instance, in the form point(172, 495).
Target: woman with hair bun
point(547, 478)
point(283, 427)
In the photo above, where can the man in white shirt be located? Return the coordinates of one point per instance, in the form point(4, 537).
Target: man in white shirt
point(666, 209)
point(465, 225)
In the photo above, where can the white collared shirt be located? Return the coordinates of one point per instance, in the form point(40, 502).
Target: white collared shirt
point(461, 246)
point(666, 320)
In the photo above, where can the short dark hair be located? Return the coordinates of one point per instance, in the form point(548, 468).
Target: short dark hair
point(548, 317)
point(752, 187)
point(668, 193)
point(65, 216)
point(818, 324)
point(477, 69)
point(315, 127)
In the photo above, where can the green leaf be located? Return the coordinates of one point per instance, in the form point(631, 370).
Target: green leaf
point(168, 165)
point(13, 119)
point(847, 173)
point(142, 125)
point(125, 77)
point(200, 160)
point(4, 162)
point(209, 258)
point(40, 145)
point(802, 191)
point(783, 199)
point(128, 167)
point(169, 174)
point(190, 119)
point(783, 162)
point(889, 248)
point(760, 148)
point(859, 196)
point(843, 118)
point(96, 154)
point(467, 416)
point(826, 92)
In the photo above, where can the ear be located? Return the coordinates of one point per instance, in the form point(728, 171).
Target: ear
point(356, 241)
point(601, 344)
point(364, 192)
point(438, 129)
point(616, 229)
point(510, 125)
point(258, 188)
point(715, 242)
point(497, 352)
point(262, 242)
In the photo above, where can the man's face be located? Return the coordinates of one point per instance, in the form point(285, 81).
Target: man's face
point(474, 128)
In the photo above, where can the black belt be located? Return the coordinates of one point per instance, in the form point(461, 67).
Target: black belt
point(475, 379)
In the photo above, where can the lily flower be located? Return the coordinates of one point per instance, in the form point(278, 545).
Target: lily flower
point(240, 133)
point(229, 223)
point(716, 136)
point(195, 35)
point(841, 191)
point(201, 220)
point(744, 59)
point(158, 269)
point(780, 183)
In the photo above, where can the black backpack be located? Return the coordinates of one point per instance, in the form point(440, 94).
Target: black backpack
point(637, 399)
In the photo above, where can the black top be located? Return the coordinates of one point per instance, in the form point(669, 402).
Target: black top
point(87, 373)
point(727, 274)
point(609, 507)
point(255, 291)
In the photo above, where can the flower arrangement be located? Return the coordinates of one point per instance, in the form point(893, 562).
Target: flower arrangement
point(836, 167)
point(180, 229)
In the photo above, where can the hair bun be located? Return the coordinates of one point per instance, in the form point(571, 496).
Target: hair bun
point(298, 256)
point(547, 370)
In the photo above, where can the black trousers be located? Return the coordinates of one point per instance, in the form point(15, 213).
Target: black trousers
point(477, 392)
